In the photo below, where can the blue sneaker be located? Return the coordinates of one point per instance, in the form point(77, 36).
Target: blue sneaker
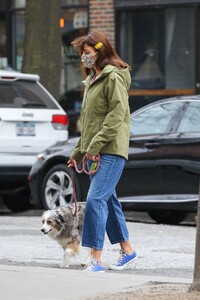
point(94, 266)
point(123, 261)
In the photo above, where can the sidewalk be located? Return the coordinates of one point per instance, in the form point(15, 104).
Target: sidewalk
point(40, 283)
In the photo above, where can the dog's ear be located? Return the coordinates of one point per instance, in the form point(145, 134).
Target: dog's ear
point(60, 217)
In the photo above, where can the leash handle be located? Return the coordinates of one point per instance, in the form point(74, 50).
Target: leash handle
point(93, 169)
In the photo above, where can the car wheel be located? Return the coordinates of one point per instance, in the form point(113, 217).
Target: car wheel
point(168, 217)
point(57, 187)
point(17, 202)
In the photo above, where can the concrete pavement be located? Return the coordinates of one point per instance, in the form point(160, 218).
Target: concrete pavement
point(40, 283)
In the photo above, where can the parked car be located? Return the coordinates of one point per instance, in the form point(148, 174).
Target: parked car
point(30, 121)
point(161, 175)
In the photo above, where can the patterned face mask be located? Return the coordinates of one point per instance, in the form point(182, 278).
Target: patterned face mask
point(88, 60)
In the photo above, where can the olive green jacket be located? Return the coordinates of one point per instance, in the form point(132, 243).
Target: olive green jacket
point(105, 114)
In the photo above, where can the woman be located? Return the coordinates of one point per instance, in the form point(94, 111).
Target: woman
point(105, 121)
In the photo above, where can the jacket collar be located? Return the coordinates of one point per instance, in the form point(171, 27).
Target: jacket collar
point(107, 70)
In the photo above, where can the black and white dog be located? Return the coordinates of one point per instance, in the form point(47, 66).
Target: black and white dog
point(64, 226)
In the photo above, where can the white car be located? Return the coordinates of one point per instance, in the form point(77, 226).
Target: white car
point(31, 120)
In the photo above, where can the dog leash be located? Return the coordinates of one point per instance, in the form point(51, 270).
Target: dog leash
point(93, 169)
point(73, 191)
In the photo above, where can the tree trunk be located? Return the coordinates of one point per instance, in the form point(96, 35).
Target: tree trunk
point(196, 280)
point(42, 42)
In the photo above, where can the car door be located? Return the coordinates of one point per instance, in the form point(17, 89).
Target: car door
point(180, 155)
point(149, 126)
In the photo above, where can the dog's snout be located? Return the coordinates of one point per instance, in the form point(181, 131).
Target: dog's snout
point(46, 230)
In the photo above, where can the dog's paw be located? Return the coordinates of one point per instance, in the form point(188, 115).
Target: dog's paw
point(64, 266)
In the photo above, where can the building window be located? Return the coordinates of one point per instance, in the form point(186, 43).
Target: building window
point(160, 47)
point(74, 22)
point(19, 3)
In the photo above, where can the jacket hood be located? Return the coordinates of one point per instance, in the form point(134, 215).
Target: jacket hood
point(124, 73)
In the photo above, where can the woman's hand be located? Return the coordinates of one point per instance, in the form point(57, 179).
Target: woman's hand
point(71, 162)
point(91, 157)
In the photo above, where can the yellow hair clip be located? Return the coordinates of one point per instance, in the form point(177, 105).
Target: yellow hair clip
point(98, 45)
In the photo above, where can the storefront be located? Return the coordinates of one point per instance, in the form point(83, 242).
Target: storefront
point(160, 40)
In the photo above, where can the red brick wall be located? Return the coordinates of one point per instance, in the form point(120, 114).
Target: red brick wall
point(101, 17)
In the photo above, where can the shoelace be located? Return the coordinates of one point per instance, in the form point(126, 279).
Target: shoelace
point(92, 264)
point(122, 255)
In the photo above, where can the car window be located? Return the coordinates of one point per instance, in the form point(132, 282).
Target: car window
point(191, 119)
point(22, 93)
point(155, 119)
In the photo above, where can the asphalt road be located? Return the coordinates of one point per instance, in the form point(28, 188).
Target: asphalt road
point(131, 216)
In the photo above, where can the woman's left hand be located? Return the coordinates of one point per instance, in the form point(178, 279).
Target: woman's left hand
point(91, 157)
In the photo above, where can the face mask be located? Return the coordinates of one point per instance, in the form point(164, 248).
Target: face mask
point(88, 60)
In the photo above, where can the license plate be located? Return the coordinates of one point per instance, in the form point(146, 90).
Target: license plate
point(25, 129)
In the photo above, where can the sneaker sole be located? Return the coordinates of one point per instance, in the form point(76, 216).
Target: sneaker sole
point(91, 271)
point(88, 271)
point(113, 267)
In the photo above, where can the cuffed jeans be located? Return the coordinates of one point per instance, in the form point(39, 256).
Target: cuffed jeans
point(103, 212)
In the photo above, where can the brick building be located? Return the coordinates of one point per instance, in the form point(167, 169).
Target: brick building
point(101, 16)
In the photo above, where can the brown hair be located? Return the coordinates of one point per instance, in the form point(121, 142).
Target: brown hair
point(106, 54)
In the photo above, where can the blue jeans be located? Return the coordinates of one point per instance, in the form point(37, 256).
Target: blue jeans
point(103, 212)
